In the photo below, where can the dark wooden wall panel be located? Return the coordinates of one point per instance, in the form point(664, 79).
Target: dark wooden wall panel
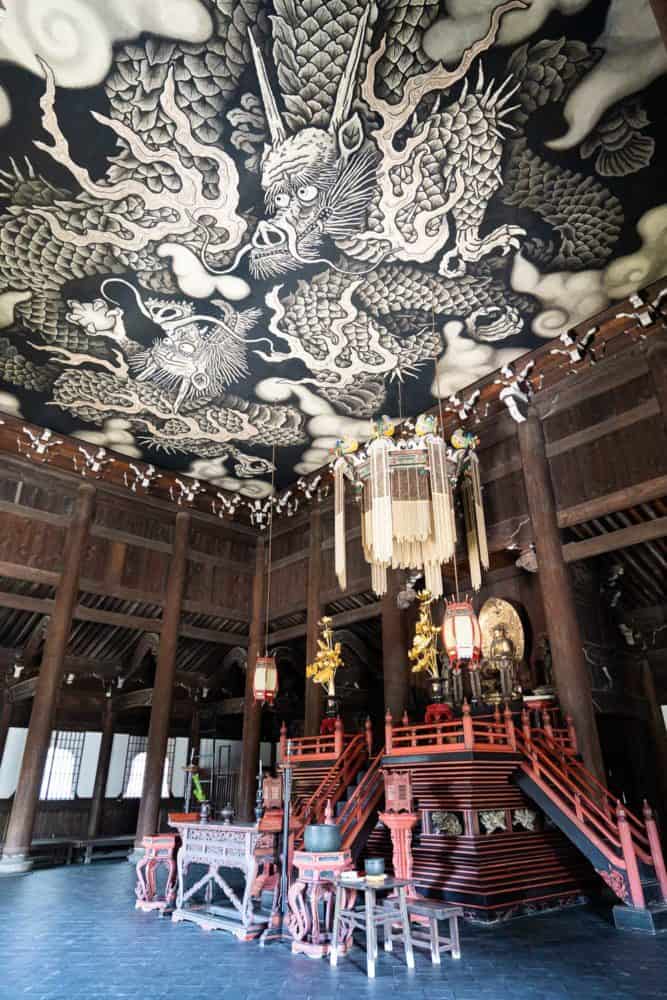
point(230, 590)
point(614, 462)
point(288, 587)
point(132, 518)
point(593, 409)
point(27, 542)
point(145, 569)
point(504, 498)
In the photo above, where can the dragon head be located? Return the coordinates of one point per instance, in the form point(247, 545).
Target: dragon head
point(318, 183)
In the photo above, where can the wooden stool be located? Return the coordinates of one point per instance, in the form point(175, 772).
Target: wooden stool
point(159, 850)
point(428, 912)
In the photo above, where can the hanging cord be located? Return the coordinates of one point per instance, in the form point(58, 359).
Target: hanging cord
point(441, 417)
point(268, 570)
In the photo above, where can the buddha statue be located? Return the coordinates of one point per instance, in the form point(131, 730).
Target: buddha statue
point(502, 656)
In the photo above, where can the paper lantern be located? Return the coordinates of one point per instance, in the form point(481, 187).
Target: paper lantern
point(265, 682)
point(461, 634)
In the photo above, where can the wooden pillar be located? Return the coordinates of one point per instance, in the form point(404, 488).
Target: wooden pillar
point(5, 721)
point(395, 670)
point(571, 671)
point(252, 710)
point(102, 772)
point(656, 356)
point(660, 14)
point(658, 733)
point(24, 808)
point(163, 688)
point(314, 692)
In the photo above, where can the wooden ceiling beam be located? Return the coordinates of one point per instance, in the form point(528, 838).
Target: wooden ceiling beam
point(44, 605)
point(31, 574)
point(617, 422)
point(611, 541)
point(143, 698)
point(340, 620)
point(611, 503)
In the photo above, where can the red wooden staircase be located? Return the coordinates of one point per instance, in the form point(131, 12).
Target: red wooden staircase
point(348, 794)
point(624, 849)
point(359, 814)
point(336, 781)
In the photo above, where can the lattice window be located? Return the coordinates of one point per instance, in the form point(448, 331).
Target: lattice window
point(63, 764)
point(135, 765)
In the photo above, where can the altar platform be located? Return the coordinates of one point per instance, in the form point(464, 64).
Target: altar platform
point(69, 934)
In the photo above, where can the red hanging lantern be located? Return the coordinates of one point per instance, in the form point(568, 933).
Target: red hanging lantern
point(461, 634)
point(265, 680)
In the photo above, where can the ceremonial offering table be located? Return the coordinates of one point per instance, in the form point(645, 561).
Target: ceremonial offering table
point(218, 846)
point(158, 850)
point(311, 902)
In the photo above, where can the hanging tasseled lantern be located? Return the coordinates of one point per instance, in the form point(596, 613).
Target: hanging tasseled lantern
point(408, 516)
point(265, 676)
point(461, 634)
point(265, 680)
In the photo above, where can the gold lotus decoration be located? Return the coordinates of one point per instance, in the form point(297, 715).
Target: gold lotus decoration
point(424, 651)
point(327, 659)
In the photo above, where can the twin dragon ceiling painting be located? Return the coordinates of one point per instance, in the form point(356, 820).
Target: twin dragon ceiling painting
point(229, 225)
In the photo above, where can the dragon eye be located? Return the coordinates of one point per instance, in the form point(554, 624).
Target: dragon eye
point(282, 200)
point(307, 193)
point(187, 348)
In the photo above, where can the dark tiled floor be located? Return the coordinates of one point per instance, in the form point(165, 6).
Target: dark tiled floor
point(73, 934)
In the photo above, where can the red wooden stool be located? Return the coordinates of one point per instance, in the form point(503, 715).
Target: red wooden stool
point(158, 850)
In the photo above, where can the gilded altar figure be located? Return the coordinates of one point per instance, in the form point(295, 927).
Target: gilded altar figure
point(502, 649)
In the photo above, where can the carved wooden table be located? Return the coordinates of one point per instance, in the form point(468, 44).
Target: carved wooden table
point(158, 850)
point(311, 902)
point(218, 846)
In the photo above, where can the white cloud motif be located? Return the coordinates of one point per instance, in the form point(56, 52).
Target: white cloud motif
point(467, 21)
point(116, 435)
point(75, 37)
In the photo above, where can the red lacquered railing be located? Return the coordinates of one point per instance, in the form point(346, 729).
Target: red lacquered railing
point(589, 800)
point(484, 733)
point(335, 782)
point(616, 832)
point(313, 748)
point(361, 804)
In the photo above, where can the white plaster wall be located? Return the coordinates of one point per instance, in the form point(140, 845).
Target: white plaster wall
point(11, 761)
point(91, 751)
point(117, 765)
point(664, 715)
point(180, 761)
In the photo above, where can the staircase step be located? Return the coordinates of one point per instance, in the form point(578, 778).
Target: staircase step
point(652, 892)
point(650, 920)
